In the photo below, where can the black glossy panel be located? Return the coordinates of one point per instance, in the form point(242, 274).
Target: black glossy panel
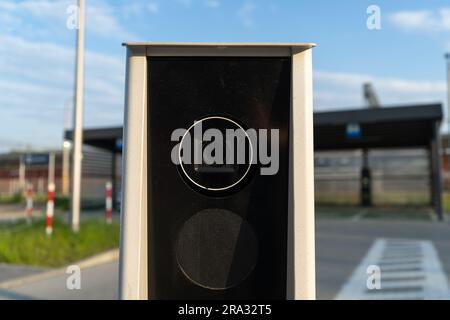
point(256, 93)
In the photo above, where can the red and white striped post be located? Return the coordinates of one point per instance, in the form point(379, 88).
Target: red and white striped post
point(108, 202)
point(50, 208)
point(29, 207)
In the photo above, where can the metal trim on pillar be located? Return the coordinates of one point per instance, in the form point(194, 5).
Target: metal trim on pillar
point(436, 181)
point(114, 179)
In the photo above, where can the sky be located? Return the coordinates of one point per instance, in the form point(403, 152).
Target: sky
point(404, 58)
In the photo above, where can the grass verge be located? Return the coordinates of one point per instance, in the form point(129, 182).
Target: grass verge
point(29, 245)
point(11, 199)
point(380, 213)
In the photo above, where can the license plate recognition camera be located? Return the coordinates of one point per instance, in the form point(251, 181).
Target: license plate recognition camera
point(218, 191)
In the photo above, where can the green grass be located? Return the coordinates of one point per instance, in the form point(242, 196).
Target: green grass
point(336, 212)
point(29, 245)
point(401, 198)
point(61, 202)
point(387, 205)
point(381, 213)
point(393, 213)
point(336, 198)
point(11, 199)
point(385, 198)
point(446, 201)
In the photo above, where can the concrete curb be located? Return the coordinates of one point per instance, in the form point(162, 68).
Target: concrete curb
point(102, 258)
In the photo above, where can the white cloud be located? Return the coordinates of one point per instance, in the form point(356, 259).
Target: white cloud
point(336, 90)
point(153, 7)
point(395, 84)
point(38, 8)
point(8, 22)
point(245, 13)
point(137, 8)
point(37, 82)
point(101, 19)
point(37, 75)
point(212, 3)
point(186, 3)
point(424, 20)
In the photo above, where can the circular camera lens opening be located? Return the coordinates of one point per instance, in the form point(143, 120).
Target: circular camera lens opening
point(216, 155)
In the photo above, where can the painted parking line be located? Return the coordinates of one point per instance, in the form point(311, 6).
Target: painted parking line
point(409, 269)
point(359, 215)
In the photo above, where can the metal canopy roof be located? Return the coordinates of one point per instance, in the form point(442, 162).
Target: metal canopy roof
point(104, 138)
point(385, 114)
point(389, 127)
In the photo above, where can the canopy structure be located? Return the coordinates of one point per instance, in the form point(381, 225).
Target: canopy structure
point(389, 127)
point(104, 138)
point(415, 126)
point(109, 139)
point(393, 127)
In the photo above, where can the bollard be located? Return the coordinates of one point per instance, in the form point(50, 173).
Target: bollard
point(29, 207)
point(108, 202)
point(50, 208)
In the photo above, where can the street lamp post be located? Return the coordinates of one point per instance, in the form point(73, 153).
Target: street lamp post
point(447, 58)
point(78, 122)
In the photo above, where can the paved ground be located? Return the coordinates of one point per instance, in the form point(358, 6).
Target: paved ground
point(97, 283)
point(8, 271)
point(341, 245)
point(398, 269)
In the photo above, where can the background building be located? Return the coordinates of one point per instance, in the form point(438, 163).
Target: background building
point(98, 164)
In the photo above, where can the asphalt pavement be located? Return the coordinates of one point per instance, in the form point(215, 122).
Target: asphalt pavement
point(341, 246)
point(97, 283)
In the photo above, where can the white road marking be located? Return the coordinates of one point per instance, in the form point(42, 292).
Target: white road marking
point(410, 269)
point(359, 215)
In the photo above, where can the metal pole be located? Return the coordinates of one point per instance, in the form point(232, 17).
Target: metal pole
point(78, 122)
point(447, 57)
point(431, 172)
point(114, 179)
point(51, 168)
point(22, 174)
point(66, 167)
point(437, 179)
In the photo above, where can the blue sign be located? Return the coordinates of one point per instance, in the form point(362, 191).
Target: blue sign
point(353, 131)
point(36, 159)
point(119, 144)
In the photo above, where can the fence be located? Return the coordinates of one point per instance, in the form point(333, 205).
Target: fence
point(97, 170)
point(399, 177)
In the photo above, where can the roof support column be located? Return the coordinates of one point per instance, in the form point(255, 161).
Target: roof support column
point(114, 179)
point(365, 181)
point(436, 181)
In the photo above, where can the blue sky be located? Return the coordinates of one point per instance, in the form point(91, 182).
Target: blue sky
point(404, 59)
